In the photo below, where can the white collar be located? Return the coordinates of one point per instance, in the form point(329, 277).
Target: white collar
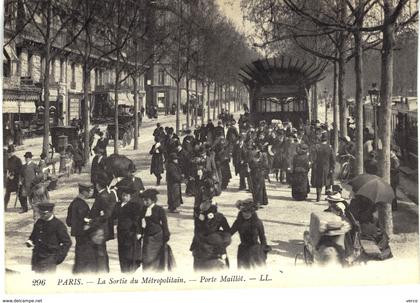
point(149, 210)
point(102, 190)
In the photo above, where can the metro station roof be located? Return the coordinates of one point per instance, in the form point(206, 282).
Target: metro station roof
point(283, 70)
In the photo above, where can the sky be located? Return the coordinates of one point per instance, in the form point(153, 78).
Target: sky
point(232, 9)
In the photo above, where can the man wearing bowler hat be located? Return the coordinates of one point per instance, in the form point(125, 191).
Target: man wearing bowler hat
point(13, 169)
point(28, 174)
point(49, 240)
point(77, 211)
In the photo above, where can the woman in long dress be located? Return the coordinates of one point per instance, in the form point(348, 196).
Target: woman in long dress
point(300, 182)
point(211, 237)
point(156, 166)
point(259, 166)
point(156, 253)
point(253, 249)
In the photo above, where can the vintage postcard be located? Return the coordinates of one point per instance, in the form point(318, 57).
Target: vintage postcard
point(195, 145)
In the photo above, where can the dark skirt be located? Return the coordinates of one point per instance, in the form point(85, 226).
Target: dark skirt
point(157, 255)
point(174, 195)
point(84, 260)
point(259, 192)
point(300, 186)
point(251, 256)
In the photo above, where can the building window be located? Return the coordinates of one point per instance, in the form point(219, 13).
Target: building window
point(161, 77)
point(30, 64)
point(7, 65)
point(73, 76)
point(62, 70)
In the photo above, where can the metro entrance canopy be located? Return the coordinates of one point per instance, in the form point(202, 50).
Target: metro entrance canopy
point(279, 87)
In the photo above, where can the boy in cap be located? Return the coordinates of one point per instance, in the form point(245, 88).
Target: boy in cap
point(49, 240)
point(29, 173)
point(77, 211)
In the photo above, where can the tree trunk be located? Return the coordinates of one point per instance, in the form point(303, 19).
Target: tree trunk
point(178, 105)
point(116, 133)
point(47, 47)
point(315, 102)
point(203, 112)
point(214, 101)
point(196, 102)
point(385, 109)
point(86, 112)
point(187, 88)
point(358, 69)
point(341, 100)
point(208, 101)
point(335, 110)
point(136, 116)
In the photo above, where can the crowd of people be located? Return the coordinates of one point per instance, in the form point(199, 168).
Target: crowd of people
point(270, 152)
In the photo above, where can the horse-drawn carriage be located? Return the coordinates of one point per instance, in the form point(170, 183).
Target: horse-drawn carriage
point(125, 129)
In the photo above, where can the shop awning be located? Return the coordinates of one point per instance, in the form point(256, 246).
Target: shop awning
point(16, 107)
point(123, 98)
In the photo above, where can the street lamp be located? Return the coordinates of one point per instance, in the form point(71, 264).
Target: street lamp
point(326, 104)
point(374, 100)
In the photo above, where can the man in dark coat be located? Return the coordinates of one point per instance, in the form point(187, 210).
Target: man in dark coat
point(219, 130)
point(323, 159)
point(232, 135)
point(128, 212)
point(49, 240)
point(184, 159)
point(98, 166)
point(77, 211)
point(101, 223)
point(13, 169)
point(173, 180)
point(102, 143)
point(29, 173)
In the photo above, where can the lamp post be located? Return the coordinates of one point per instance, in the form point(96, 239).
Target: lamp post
point(326, 104)
point(374, 100)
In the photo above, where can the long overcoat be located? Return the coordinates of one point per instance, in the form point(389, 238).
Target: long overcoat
point(173, 180)
point(323, 163)
point(156, 166)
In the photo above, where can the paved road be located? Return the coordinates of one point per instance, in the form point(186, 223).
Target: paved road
point(285, 220)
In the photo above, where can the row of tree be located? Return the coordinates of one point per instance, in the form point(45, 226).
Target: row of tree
point(340, 31)
point(190, 39)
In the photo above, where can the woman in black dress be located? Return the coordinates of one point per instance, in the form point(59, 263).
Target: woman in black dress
point(300, 183)
point(251, 252)
point(211, 237)
point(156, 166)
point(156, 253)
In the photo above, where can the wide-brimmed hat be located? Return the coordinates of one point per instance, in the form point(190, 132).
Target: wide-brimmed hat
point(246, 205)
point(28, 155)
point(334, 197)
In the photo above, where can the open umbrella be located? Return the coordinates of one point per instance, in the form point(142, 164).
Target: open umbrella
point(360, 180)
point(376, 190)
